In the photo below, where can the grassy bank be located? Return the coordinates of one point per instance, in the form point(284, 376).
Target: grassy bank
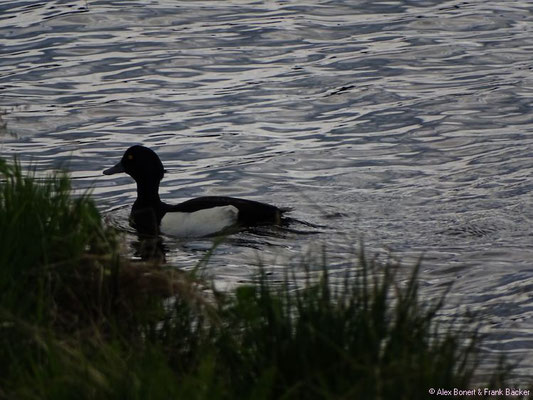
point(78, 321)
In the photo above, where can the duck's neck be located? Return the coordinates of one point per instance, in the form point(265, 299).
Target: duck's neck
point(147, 195)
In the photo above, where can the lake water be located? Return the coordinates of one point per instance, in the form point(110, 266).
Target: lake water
point(404, 125)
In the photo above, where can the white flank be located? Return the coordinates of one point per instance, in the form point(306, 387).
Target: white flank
point(199, 223)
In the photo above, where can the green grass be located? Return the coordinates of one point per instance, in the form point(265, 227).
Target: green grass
point(79, 321)
point(46, 235)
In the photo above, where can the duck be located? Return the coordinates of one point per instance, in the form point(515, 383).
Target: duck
point(201, 216)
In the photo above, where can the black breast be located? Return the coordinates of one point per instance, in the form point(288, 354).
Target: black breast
point(146, 219)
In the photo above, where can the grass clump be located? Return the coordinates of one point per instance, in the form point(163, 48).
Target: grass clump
point(46, 235)
point(79, 321)
point(364, 338)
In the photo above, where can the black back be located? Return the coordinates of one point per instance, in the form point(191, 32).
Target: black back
point(250, 212)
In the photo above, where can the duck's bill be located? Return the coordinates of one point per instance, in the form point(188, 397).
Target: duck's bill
point(114, 170)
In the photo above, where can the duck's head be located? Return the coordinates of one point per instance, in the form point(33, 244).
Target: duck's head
point(141, 163)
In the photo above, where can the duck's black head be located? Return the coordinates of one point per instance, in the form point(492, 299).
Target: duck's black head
point(141, 163)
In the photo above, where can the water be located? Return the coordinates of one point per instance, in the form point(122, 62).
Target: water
point(403, 125)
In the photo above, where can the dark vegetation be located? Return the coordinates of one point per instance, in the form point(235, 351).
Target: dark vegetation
point(80, 321)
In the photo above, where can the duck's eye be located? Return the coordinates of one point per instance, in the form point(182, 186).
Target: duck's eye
point(130, 157)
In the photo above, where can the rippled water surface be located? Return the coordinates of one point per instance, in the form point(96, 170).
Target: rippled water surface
point(406, 125)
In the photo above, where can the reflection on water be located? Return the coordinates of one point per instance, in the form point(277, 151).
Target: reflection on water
point(403, 124)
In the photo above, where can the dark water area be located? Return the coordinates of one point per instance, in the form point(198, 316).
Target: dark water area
point(403, 125)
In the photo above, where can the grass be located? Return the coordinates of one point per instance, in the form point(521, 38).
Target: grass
point(79, 321)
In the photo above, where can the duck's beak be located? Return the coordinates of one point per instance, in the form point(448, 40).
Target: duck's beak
point(114, 170)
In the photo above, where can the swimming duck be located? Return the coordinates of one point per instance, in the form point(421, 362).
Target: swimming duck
point(201, 216)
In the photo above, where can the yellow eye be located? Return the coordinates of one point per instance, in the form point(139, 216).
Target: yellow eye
point(130, 157)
